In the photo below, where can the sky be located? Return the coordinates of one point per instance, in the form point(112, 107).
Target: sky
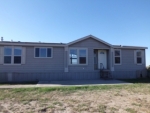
point(118, 22)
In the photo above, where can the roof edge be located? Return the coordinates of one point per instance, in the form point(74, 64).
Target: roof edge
point(130, 47)
point(86, 37)
point(30, 44)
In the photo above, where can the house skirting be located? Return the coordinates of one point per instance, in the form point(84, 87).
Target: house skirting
point(60, 76)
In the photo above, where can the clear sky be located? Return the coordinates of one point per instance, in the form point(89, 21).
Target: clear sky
point(122, 22)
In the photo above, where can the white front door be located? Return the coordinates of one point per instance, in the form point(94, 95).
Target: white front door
point(102, 59)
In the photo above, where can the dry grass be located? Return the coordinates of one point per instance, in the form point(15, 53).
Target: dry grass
point(101, 99)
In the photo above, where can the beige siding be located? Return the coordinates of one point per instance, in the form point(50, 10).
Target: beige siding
point(56, 63)
point(128, 62)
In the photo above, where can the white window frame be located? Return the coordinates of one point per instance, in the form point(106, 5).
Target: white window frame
point(118, 56)
point(46, 52)
point(78, 56)
point(135, 57)
point(12, 55)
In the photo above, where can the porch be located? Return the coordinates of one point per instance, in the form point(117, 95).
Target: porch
point(101, 59)
point(102, 63)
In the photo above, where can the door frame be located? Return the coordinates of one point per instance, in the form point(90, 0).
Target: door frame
point(99, 58)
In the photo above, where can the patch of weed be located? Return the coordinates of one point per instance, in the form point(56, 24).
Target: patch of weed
point(58, 103)
point(131, 110)
point(113, 110)
point(51, 106)
point(135, 104)
point(102, 108)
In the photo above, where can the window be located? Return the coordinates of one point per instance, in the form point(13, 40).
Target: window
point(12, 55)
point(102, 53)
point(139, 56)
point(78, 56)
point(117, 56)
point(43, 52)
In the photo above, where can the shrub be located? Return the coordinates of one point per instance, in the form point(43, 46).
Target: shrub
point(148, 68)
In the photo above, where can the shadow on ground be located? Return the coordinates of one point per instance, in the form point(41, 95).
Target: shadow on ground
point(140, 80)
point(19, 83)
point(81, 82)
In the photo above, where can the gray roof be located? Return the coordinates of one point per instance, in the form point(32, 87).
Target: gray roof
point(30, 43)
point(19, 43)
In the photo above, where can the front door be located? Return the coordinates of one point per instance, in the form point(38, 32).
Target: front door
point(102, 59)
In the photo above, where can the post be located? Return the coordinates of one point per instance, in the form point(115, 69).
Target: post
point(66, 59)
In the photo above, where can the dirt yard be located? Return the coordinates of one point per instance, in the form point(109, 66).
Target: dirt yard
point(101, 99)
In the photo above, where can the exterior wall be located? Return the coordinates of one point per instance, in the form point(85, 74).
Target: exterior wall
point(3, 77)
point(128, 67)
point(90, 44)
point(127, 63)
point(54, 64)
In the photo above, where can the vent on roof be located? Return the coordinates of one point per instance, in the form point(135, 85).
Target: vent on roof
point(2, 39)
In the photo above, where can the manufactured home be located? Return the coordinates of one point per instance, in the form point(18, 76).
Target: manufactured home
point(77, 60)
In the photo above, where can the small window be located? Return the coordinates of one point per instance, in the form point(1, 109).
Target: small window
point(117, 56)
point(12, 55)
point(43, 52)
point(139, 57)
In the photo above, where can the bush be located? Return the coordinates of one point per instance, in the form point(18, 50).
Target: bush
point(148, 68)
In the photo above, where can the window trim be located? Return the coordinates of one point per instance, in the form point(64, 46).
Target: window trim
point(135, 57)
point(118, 56)
point(12, 55)
point(78, 56)
point(46, 52)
